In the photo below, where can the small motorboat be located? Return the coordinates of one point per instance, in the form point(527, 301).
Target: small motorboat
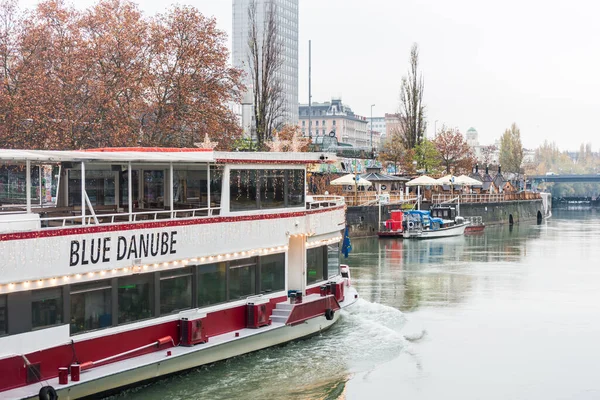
point(421, 224)
point(475, 226)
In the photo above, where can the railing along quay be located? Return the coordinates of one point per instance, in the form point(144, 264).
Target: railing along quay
point(371, 199)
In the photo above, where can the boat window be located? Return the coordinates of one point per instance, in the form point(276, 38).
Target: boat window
point(242, 278)
point(154, 189)
point(216, 179)
point(175, 290)
point(190, 189)
point(272, 273)
point(91, 306)
point(296, 189)
point(315, 260)
point(272, 188)
point(212, 284)
point(46, 307)
point(99, 186)
point(135, 298)
point(13, 184)
point(333, 260)
point(242, 186)
point(124, 187)
point(3, 316)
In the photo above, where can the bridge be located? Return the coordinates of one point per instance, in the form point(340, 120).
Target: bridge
point(570, 178)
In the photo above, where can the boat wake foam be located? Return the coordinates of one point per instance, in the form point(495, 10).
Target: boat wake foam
point(367, 335)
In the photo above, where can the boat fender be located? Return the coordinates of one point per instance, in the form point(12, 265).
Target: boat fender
point(411, 224)
point(329, 314)
point(47, 393)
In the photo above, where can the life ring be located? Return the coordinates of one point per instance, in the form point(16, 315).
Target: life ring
point(47, 393)
point(411, 224)
point(329, 314)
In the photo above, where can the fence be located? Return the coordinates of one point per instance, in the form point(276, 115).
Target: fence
point(484, 198)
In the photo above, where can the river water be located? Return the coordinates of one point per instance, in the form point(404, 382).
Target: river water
point(508, 314)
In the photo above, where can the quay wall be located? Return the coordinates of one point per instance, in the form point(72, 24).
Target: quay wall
point(363, 220)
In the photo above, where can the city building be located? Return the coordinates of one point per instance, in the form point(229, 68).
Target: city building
point(392, 124)
point(287, 21)
point(377, 124)
point(336, 119)
point(472, 137)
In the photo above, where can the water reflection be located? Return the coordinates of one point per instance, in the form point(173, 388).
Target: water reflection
point(410, 273)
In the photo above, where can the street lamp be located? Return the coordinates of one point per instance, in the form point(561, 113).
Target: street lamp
point(372, 105)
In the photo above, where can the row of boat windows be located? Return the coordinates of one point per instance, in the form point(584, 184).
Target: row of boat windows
point(192, 187)
point(263, 189)
point(107, 187)
point(110, 302)
point(249, 189)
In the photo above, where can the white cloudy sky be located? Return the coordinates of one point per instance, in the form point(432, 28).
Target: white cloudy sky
point(486, 65)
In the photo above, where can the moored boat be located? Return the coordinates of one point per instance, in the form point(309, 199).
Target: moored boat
point(124, 265)
point(475, 226)
point(422, 224)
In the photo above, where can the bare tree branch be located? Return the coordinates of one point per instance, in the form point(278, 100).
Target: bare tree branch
point(265, 59)
point(412, 110)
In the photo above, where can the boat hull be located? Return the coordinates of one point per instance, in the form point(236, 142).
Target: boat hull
point(390, 234)
point(473, 229)
point(135, 371)
point(455, 230)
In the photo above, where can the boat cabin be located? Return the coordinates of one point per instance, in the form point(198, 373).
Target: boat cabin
point(97, 239)
point(443, 212)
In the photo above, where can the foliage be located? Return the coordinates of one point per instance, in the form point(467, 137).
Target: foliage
point(427, 156)
point(107, 76)
point(487, 154)
point(412, 110)
point(549, 158)
point(265, 58)
point(288, 132)
point(393, 152)
point(244, 144)
point(511, 149)
point(455, 153)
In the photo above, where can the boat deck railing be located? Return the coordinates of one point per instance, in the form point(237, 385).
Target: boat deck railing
point(324, 201)
point(61, 217)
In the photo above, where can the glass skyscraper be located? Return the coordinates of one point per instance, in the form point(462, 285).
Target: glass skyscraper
point(287, 22)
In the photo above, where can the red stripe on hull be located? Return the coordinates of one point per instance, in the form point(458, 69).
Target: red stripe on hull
point(238, 161)
point(14, 372)
point(311, 309)
point(154, 225)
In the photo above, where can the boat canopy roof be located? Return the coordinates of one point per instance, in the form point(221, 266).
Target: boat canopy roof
point(163, 155)
point(417, 212)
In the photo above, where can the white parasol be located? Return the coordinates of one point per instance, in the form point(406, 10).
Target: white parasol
point(350, 179)
point(423, 180)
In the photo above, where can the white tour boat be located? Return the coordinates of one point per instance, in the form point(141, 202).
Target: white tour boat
point(123, 265)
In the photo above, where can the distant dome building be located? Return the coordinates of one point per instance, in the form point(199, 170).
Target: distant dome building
point(472, 137)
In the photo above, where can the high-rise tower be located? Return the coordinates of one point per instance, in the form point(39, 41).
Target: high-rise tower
point(287, 23)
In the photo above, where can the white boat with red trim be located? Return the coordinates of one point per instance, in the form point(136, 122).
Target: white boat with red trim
point(124, 265)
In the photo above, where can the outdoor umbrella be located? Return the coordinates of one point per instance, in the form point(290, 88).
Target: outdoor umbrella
point(350, 179)
point(466, 181)
point(423, 180)
point(447, 180)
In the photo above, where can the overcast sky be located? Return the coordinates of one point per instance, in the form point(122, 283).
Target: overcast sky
point(486, 65)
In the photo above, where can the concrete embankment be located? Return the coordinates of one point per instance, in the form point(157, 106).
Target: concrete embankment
point(363, 220)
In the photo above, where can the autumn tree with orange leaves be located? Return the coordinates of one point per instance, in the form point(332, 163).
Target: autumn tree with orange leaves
point(108, 76)
point(455, 153)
